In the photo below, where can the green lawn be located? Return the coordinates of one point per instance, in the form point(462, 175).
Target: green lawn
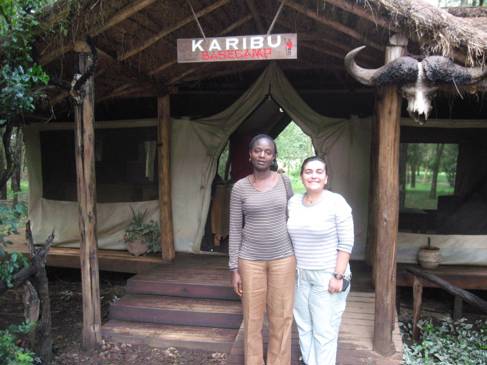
point(419, 196)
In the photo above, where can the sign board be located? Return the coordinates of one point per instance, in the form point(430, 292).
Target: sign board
point(241, 48)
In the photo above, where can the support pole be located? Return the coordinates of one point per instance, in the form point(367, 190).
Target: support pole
point(164, 160)
point(86, 183)
point(388, 111)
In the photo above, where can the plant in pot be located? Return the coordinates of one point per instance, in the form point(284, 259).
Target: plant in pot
point(429, 256)
point(141, 237)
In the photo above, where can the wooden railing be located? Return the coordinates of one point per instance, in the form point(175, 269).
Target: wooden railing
point(459, 294)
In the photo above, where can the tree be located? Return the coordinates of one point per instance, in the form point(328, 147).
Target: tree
point(21, 79)
point(449, 162)
point(293, 146)
point(415, 153)
point(435, 168)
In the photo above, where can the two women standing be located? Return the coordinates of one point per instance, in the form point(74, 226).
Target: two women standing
point(264, 266)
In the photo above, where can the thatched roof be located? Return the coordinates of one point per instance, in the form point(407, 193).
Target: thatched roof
point(136, 40)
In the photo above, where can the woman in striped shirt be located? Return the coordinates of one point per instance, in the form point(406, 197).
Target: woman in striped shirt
point(321, 228)
point(261, 255)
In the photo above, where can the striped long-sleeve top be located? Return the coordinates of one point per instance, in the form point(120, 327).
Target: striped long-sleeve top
point(318, 231)
point(258, 222)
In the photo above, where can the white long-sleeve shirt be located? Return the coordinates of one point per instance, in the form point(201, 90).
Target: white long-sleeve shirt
point(319, 230)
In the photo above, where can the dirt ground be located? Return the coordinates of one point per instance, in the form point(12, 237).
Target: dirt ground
point(65, 294)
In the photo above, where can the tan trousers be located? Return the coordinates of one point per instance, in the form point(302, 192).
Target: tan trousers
point(268, 285)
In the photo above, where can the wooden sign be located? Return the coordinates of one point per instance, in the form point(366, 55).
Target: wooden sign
point(242, 48)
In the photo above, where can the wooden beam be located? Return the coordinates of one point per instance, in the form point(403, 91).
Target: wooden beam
point(227, 30)
point(122, 14)
point(255, 15)
point(164, 160)
point(86, 184)
point(352, 33)
point(388, 114)
point(149, 42)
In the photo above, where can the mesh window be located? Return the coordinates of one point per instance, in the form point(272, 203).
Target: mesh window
point(125, 163)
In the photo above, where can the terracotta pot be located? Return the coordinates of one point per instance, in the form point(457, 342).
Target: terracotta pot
point(429, 257)
point(137, 248)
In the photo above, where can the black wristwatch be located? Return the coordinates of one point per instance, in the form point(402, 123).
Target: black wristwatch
point(338, 276)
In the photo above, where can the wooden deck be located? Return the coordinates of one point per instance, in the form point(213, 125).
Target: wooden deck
point(465, 277)
point(190, 304)
point(108, 260)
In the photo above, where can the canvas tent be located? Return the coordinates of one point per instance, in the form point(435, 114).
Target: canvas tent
point(344, 142)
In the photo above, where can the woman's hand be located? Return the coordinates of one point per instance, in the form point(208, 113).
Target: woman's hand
point(237, 283)
point(335, 285)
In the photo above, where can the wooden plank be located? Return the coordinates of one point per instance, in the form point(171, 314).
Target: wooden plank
point(86, 184)
point(163, 336)
point(417, 302)
point(164, 160)
point(227, 30)
point(178, 311)
point(465, 277)
point(388, 110)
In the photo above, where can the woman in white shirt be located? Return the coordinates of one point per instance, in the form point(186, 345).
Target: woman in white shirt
point(321, 228)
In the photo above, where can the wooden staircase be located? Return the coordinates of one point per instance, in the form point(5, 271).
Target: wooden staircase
point(180, 306)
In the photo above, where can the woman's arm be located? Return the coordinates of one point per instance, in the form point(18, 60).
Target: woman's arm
point(345, 234)
point(335, 284)
point(235, 239)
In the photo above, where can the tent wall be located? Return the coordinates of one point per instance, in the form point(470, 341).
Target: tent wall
point(196, 145)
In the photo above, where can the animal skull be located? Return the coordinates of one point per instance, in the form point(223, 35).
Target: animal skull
point(418, 81)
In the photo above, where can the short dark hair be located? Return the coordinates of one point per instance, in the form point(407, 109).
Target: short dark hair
point(254, 140)
point(312, 158)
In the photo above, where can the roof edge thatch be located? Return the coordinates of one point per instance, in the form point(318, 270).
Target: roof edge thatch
point(436, 30)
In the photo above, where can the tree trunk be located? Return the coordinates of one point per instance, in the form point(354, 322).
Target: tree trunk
point(414, 170)
point(402, 174)
point(16, 176)
point(386, 207)
point(435, 170)
point(3, 192)
point(86, 186)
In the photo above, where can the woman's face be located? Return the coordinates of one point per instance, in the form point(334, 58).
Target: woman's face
point(262, 154)
point(314, 176)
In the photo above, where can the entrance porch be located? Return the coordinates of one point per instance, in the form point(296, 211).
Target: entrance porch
point(190, 304)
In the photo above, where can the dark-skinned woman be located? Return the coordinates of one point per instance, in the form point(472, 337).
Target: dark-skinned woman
point(321, 227)
point(261, 255)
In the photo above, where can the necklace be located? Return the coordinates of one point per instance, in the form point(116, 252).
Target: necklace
point(308, 200)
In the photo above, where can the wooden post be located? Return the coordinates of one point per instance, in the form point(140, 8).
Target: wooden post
point(388, 110)
point(86, 183)
point(457, 307)
point(164, 159)
point(417, 304)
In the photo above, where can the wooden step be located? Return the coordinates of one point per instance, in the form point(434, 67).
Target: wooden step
point(187, 282)
point(162, 336)
point(177, 311)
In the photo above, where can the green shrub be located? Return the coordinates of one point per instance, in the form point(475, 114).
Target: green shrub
point(446, 343)
point(10, 352)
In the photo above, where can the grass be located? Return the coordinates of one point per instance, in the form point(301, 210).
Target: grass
point(24, 188)
point(418, 197)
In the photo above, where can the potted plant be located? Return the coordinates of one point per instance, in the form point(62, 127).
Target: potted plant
point(429, 256)
point(141, 237)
